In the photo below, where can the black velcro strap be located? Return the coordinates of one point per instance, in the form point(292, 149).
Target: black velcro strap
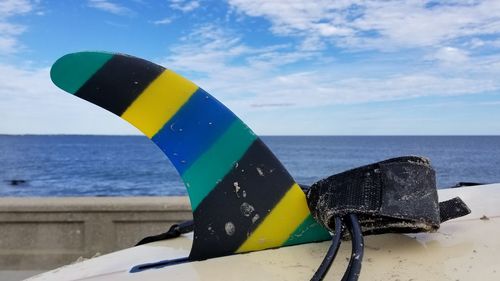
point(395, 195)
point(452, 208)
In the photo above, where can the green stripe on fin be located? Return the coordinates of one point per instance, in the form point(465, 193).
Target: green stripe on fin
point(213, 165)
point(308, 231)
point(70, 78)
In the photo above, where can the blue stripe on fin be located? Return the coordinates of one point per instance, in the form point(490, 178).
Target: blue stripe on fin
point(193, 129)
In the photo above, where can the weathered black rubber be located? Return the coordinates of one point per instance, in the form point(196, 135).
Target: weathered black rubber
point(331, 253)
point(395, 195)
point(354, 268)
point(452, 208)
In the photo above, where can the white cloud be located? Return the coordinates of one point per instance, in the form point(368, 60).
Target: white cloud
point(9, 31)
point(8, 45)
point(250, 79)
point(377, 24)
point(184, 6)
point(30, 103)
point(110, 7)
point(450, 56)
point(475, 43)
point(15, 7)
point(312, 44)
point(163, 21)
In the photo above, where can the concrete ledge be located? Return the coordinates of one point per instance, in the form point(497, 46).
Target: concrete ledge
point(44, 233)
point(10, 275)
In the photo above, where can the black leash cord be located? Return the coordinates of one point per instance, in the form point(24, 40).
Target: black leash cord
point(332, 252)
point(353, 270)
point(354, 267)
point(175, 231)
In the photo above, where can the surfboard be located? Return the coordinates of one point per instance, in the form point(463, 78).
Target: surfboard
point(242, 197)
point(251, 217)
point(466, 248)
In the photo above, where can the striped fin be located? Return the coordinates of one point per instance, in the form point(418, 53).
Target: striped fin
point(242, 197)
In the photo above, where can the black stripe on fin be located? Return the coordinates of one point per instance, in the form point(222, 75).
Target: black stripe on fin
point(119, 82)
point(239, 203)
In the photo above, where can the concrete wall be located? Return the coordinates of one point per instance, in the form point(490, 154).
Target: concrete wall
point(44, 233)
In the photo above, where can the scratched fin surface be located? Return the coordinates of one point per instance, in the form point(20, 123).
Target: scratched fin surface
point(242, 197)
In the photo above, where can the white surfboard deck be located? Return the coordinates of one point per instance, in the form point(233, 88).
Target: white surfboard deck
point(467, 248)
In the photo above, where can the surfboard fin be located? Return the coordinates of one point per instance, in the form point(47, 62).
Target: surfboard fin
point(242, 197)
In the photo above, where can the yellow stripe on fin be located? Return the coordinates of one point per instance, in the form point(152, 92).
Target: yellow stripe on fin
point(159, 102)
point(281, 222)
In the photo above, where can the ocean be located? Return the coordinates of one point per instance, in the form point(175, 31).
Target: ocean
point(134, 166)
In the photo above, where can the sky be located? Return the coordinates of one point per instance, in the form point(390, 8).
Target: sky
point(346, 67)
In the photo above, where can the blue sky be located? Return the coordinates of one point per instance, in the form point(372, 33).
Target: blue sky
point(285, 67)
